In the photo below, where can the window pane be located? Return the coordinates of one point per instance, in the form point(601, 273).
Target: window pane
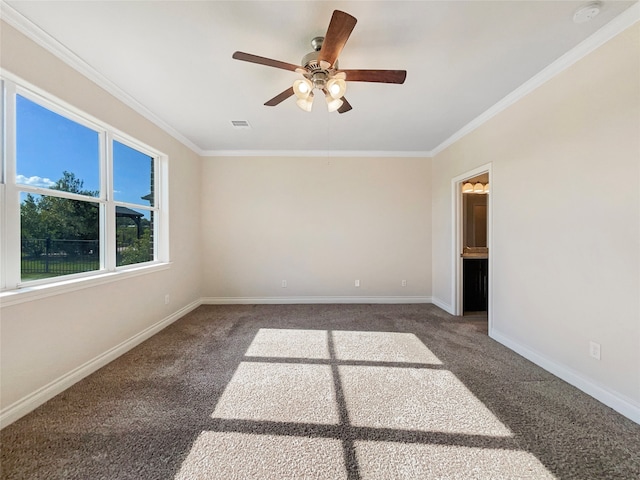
point(134, 236)
point(132, 175)
point(59, 236)
point(55, 152)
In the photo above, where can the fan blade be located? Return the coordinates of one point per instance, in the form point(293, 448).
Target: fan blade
point(340, 28)
point(247, 57)
point(346, 106)
point(381, 76)
point(281, 97)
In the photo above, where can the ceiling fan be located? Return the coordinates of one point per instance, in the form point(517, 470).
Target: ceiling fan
point(320, 70)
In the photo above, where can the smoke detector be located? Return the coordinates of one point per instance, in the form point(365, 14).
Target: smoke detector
point(587, 13)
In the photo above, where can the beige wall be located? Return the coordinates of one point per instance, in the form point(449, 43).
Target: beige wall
point(565, 259)
point(566, 219)
point(319, 223)
point(45, 339)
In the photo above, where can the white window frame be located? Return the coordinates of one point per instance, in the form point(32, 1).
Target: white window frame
point(10, 243)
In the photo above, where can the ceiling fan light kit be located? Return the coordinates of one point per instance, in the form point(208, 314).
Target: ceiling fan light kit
point(320, 69)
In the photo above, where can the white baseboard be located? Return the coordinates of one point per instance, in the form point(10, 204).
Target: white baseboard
point(616, 401)
point(308, 300)
point(30, 402)
point(444, 306)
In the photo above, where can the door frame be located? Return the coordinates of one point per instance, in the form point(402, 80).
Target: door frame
point(456, 237)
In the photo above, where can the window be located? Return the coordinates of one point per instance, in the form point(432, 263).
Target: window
point(132, 185)
point(79, 197)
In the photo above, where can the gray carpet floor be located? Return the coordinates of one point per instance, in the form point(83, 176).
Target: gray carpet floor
point(322, 392)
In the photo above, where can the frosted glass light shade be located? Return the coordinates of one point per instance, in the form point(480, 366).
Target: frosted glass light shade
point(336, 87)
point(486, 188)
point(302, 88)
point(478, 188)
point(305, 103)
point(467, 188)
point(333, 104)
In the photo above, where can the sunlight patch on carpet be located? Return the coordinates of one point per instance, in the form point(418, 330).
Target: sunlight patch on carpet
point(379, 460)
point(275, 392)
point(228, 455)
point(382, 347)
point(289, 343)
point(415, 399)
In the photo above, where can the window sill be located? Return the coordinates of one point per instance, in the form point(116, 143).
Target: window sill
point(37, 292)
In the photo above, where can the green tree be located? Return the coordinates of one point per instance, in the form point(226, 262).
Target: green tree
point(32, 227)
point(139, 251)
point(48, 217)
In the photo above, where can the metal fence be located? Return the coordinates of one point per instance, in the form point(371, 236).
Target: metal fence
point(51, 257)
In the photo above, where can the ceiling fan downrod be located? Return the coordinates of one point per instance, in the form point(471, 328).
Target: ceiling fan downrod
point(310, 60)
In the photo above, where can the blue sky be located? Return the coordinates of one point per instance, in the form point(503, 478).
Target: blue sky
point(48, 144)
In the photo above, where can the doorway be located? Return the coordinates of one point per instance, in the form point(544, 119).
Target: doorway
point(475, 253)
point(472, 240)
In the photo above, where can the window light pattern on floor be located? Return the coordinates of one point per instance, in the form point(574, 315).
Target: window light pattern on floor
point(355, 405)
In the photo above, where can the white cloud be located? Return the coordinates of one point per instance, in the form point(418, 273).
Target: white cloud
point(35, 181)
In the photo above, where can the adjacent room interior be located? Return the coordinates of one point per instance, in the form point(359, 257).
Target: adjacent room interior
point(492, 194)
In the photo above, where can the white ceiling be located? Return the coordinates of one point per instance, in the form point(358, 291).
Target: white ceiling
point(174, 59)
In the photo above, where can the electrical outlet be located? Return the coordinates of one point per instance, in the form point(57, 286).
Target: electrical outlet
point(594, 350)
point(166, 299)
point(357, 283)
point(404, 283)
point(284, 284)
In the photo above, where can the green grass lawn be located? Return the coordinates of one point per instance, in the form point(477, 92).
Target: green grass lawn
point(36, 269)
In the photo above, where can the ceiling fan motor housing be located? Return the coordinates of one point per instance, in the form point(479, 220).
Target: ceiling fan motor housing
point(318, 74)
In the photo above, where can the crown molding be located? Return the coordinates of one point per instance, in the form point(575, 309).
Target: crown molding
point(46, 41)
point(616, 26)
point(316, 153)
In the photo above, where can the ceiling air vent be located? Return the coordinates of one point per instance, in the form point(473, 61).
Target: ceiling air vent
point(240, 124)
